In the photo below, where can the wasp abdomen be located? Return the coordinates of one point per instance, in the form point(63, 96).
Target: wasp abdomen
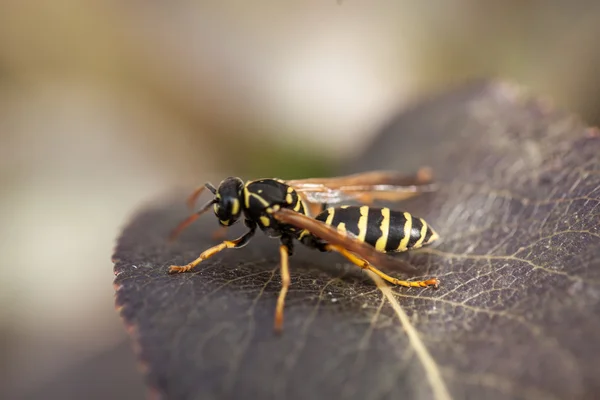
point(386, 230)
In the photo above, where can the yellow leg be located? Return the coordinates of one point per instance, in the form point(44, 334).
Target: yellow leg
point(219, 234)
point(228, 244)
point(364, 264)
point(285, 284)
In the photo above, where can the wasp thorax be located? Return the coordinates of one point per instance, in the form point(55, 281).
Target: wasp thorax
point(227, 201)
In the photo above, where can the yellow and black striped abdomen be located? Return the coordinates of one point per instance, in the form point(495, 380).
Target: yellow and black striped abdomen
point(386, 230)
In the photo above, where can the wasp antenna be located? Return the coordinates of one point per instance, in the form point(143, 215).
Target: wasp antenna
point(191, 200)
point(210, 187)
point(186, 222)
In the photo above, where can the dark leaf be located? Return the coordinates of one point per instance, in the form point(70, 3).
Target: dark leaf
point(517, 314)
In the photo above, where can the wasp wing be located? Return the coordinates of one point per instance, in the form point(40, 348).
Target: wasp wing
point(364, 187)
point(346, 240)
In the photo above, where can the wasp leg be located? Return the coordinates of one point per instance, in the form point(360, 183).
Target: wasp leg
point(364, 264)
point(285, 250)
point(219, 234)
point(227, 244)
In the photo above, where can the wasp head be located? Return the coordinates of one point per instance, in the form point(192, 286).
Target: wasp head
point(227, 202)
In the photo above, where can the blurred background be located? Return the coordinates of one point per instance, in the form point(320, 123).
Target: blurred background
point(105, 105)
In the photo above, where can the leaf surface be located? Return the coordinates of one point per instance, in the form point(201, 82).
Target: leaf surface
point(517, 314)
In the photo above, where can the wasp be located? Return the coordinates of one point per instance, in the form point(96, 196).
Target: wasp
point(300, 210)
